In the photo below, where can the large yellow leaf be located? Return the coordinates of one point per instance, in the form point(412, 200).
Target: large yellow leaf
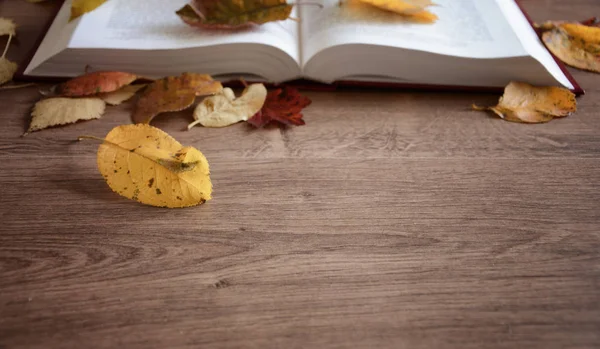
point(416, 9)
point(145, 164)
point(575, 44)
point(522, 102)
point(60, 111)
point(81, 7)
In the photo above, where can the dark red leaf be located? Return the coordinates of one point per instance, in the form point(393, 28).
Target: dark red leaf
point(283, 105)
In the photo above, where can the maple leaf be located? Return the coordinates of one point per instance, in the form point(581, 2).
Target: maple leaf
point(282, 105)
point(173, 93)
point(414, 9)
point(143, 163)
point(525, 103)
point(228, 14)
point(61, 111)
point(94, 83)
point(224, 109)
point(81, 7)
point(576, 44)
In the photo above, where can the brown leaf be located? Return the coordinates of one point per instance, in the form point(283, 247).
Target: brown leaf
point(61, 111)
point(283, 105)
point(575, 44)
point(95, 83)
point(525, 103)
point(173, 93)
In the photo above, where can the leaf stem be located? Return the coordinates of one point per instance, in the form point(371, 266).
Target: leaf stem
point(6, 47)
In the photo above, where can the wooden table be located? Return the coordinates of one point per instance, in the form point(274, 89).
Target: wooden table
point(391, 220)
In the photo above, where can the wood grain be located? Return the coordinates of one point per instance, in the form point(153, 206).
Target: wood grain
point(392, 220)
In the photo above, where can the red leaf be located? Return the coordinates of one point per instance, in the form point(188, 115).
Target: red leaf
point(94, 83)
point(282, 105)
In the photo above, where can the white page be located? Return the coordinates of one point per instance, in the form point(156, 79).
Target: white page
point(465, 28)
point(154, 25)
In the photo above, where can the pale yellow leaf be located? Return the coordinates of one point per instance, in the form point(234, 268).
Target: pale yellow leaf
point(121, 95)
point(7, 70)
point(143, 163)
point(7, 26)
point(61, 111)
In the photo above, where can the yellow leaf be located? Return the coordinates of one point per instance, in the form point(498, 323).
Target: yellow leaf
point(7, 27)
point(119, 96)
point(7, 70)
point(223, 109)
point(575, 44)
point(143, 163)
point(81, 7)
point(61, 111)
point(522, 102)
point(416, 9)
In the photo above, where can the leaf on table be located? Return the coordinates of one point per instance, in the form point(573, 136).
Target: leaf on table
point(414, 9)
point(121, 95)
point(7, 27)
point(143, 163)
point(525, 103)
point(173, 93)
point(81, 7)
point(576, 44)
point(232, 14)
point(61, 111)
point(224, 109)
point(282, 105)
point(94, 83)
point(7, 70)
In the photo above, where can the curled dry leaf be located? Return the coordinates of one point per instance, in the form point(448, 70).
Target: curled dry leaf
point(231, 14)
point(7, 70)
point(7, 27)
point(576, 44)
point(119, 96)
point(173, 93)
point(415, 9)
point(61, 111)
point(95, 83)
point(81, 7)
point(283, 105)
point(143, 163)
point(522, 102)
point(224, 109)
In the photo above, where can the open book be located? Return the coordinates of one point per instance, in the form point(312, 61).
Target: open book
point(474, 43)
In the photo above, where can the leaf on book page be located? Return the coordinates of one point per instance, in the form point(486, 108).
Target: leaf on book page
point(413, 9)
point(576, 44)
point(81, 7)
point(283, 105)
point(61, 111)
point(7, 70)
point(121, 95)
point(94, 83)
point(173, 93)
point(224, 109)
point(230, 14)
point(7, 27)
point(525, 103)
point(143, 163)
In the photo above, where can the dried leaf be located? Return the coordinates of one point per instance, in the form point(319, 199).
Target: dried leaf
point(7, 70)
point(228, 14)
point(575, 44)
point(281, 105)
point(61, 111)
point(522, 102)
point(95, 83)
point(119, 96)
point(173, 93)
point(81, 7)
point(416, 9)
point(223, 109)
point(7, 27)
point(143, 163)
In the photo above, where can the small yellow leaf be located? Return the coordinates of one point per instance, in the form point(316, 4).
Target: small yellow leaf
point(7, 70)
point(119, 96)
point(81, 7)
point(416, 9)
point(525, 103)
point(61, 111)
point(223, 109)
point(575, 44)
point(7, 27)
point(143, 163)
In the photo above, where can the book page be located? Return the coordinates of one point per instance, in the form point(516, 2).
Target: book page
point(465, 28)
point(154, 25)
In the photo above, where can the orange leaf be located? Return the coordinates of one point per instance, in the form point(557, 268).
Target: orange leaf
point(94, 83)
point(576, 44)
point(282, 105)
point(173, 93)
